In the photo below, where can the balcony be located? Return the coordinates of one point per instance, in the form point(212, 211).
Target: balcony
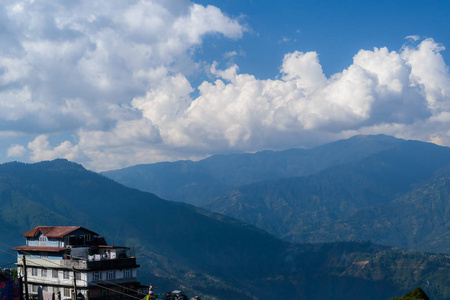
point(107, 264)
point(82, 264)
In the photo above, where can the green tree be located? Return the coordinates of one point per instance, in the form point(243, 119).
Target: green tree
point(417, 294)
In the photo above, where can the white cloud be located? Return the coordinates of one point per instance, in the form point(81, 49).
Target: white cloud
point(14, 103)
point(14, 69)
point(378, 93)
point(414, 38)
point(381, 92)
point(233, 54)
point(230, 54)
point(202, 20)
point(304, 68)
point(41, 150)
point(16, 151)
point(429, 71)
point(75, 66)
point(114, 76)
point(100, 53)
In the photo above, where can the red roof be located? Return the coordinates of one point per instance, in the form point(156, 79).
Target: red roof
point(39, 248)
point(54, 231)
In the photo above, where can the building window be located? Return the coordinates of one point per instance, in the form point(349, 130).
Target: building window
point(66, 274)
point(55, 241)
point(42, 240)
point(33, 271)
point(111, 274)
point(34, 288)
point(44, 273)
point(66, 292)
point(127, 273)
point(97, 275)
point(54, 273)
point(78, 275)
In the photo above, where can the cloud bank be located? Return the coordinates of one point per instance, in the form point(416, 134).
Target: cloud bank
point(115, 76)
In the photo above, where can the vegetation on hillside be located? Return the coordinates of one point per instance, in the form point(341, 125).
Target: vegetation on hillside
point(417, 294)
point(374, 188)
point(357, 201)
point(180, 246)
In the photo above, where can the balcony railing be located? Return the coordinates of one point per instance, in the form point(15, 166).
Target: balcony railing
point(118, 263)
point(82, 264)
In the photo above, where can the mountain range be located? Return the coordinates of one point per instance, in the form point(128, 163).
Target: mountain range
point(378, 188)
point(180, 246)
point(199, 182)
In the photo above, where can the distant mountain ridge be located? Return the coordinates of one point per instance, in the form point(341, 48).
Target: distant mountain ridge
point(326, 206)
point(172, 239)
point(316, 195)
point(418, 220)
point(199, 182)
point(179, 245)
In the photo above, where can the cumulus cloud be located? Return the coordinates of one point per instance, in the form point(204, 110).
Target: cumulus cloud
point(95, 54)
point(113, 76)
point(16, 151)
point(429, 71)
point(42, 150)
point(381, 92)
point(75, 66)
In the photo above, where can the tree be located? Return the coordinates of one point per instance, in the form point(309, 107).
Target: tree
point(416, 294)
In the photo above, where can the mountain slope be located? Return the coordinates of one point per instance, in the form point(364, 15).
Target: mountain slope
point(418, 220)
point(59, 192)
point(220, 258)
point(199, 182)
point(175, 242)
point(296, 208)
point(179, 245)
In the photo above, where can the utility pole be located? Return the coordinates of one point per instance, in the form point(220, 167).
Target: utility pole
point(74, 284)
point(25, 281)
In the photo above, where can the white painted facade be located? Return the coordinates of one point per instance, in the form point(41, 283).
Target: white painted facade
point(52, 262)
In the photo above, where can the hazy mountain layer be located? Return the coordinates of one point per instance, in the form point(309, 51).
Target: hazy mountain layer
point(418, 220)
point(199, 182)
point(305, 209)
point(180, 246)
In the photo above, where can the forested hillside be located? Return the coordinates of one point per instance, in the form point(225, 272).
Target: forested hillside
point(362, 200)
point(180, 246)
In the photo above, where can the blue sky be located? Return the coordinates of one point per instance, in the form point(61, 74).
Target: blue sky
point(336, 30)
point(111, 84)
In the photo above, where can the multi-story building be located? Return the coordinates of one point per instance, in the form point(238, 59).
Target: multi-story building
point(62, 259)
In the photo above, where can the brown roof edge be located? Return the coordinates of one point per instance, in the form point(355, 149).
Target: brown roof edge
point(39, 248)
point(54, 231)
